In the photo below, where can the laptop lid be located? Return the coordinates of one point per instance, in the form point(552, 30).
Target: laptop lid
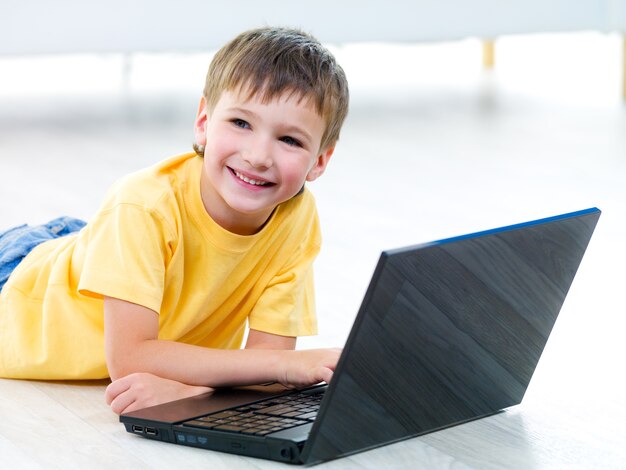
point(448, 332)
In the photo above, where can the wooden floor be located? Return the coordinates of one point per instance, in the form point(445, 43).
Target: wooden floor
point(433, 147)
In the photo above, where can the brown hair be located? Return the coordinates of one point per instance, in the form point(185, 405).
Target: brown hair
point(273, 61)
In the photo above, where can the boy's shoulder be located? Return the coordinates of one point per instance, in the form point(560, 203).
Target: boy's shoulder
point(147, 187)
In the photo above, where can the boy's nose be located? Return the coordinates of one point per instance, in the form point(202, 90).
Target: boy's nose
point(259, 155)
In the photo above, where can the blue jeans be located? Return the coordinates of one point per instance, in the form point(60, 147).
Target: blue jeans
point(17, 242)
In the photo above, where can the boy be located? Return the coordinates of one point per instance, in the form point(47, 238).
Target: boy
point(156, 290)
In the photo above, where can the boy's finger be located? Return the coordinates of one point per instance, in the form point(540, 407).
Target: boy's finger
point(115, 388)
point(135, 405)
point(325, 375)
point(122, 403)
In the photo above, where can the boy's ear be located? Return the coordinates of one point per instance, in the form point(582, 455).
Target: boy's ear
point(200, 123)
point(320, 165)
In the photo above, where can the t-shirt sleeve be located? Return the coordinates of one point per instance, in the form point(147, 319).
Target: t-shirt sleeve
point(126, 256)
point(287, 305)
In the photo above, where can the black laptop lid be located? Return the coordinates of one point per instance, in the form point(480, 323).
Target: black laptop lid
point(449, 332)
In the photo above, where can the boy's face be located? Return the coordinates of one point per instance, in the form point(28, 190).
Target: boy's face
point(256, 156)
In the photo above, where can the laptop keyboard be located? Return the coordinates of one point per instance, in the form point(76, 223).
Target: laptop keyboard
point(264, 417)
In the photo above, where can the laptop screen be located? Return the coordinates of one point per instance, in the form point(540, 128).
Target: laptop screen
point(449, 331)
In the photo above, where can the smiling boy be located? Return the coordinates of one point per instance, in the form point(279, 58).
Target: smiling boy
point(156, 291)
point(257, 155)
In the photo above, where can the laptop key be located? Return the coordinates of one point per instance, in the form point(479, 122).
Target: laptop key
point(250, 431)
point(225, 414)
point(207, 418)
point(278, 410)
point(229, 427)
point(257, 407)
point(199, 424)
point(290, 421)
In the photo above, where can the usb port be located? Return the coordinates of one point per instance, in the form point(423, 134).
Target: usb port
point(151, 431)
point(137, 429)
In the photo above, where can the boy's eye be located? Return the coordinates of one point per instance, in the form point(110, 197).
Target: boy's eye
point(240, 123)
point(291, 141)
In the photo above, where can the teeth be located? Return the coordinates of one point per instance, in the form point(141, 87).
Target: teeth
point(250, 181)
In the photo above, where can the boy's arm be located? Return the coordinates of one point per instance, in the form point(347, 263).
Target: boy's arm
point(147, 371)
point(261, 340)
point(132, 345)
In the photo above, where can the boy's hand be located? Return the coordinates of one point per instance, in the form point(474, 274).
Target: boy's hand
point(303, 368)
point(141, 390)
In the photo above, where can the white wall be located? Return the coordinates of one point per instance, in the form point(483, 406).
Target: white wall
point(40, 26)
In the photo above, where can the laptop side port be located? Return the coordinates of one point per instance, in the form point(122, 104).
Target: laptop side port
point(152, 432)
point(137, 429)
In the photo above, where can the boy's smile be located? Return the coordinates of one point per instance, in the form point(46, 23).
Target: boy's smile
point(249, 180)
point(257, 155)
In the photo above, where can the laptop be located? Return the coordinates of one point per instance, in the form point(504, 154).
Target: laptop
point(448, 332)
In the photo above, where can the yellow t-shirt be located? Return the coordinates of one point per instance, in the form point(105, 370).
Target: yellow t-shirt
point(152, 243)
